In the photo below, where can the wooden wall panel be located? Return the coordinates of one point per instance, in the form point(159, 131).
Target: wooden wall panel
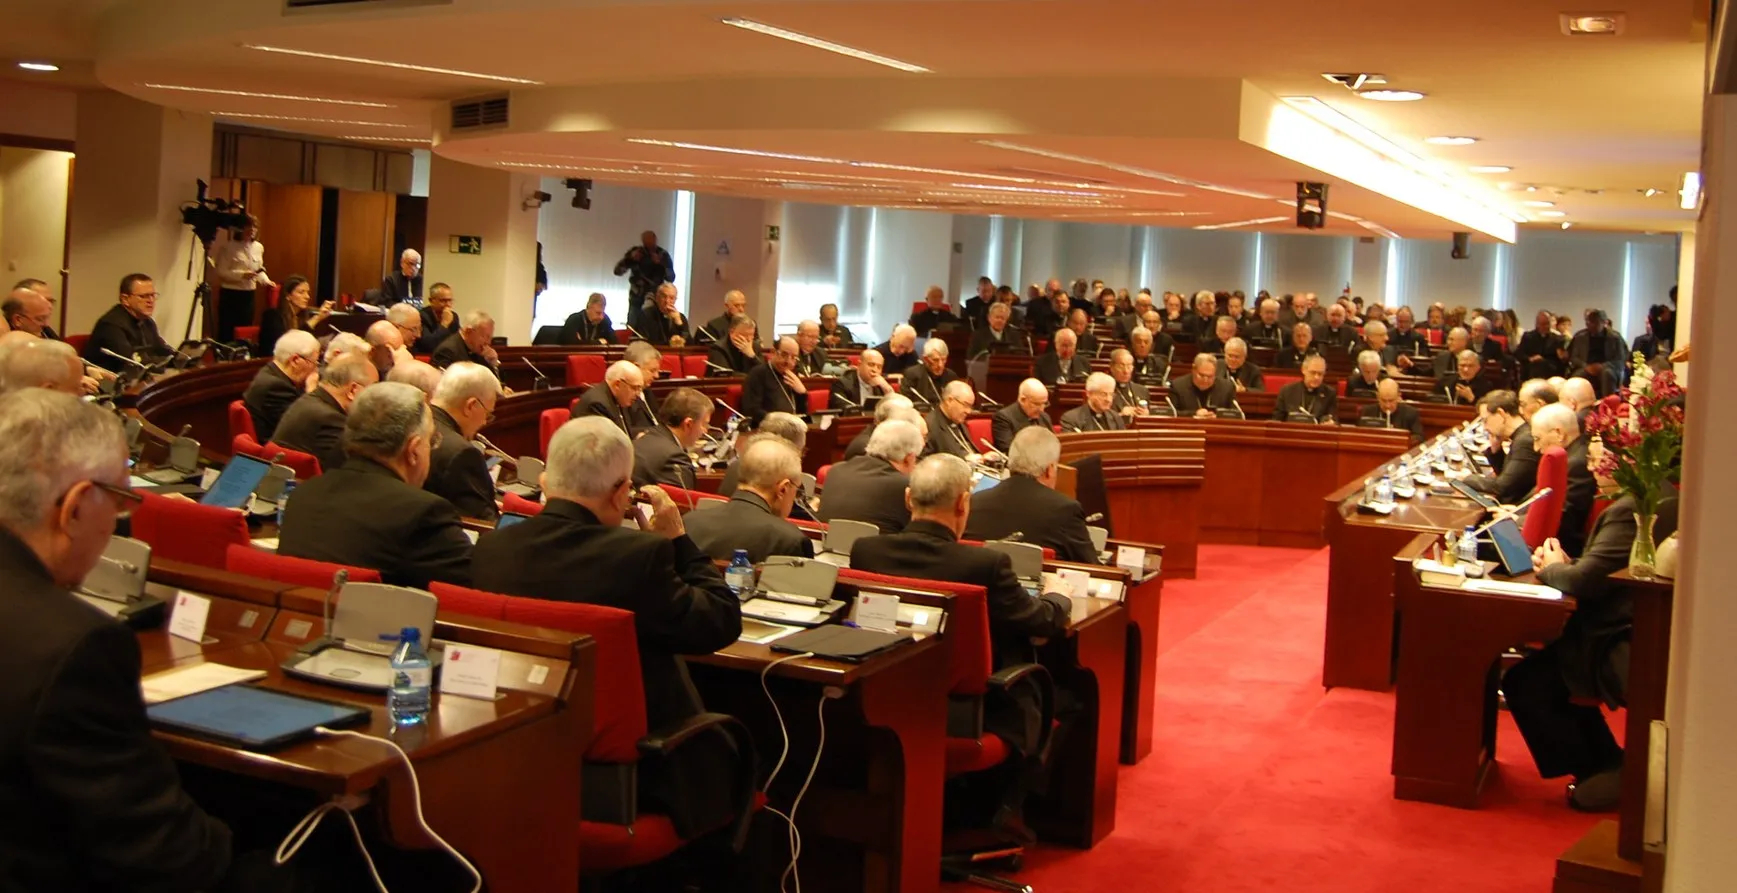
point(365, 221)
point(268, 159)
point(345, 167)
point(289, 221)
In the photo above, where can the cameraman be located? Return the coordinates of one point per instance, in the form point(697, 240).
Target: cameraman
point(240, 265)
point(647, 266)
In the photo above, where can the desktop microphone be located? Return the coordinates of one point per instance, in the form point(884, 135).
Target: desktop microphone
point(724, 369)
point(489, 447)
point(339, 578)
point(990, 447)
point(542, 379)
point(634, 332)
point(729, 409)
point(1094, 517)
point(126, 359)
point(989, 400)
point(837, 394)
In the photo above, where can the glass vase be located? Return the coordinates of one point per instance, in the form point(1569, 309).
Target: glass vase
point(1643, 556)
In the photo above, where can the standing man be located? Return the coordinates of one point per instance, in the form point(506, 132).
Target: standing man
point(646, 267)
point(128, 328)
point(404, 283)
point(239, 262)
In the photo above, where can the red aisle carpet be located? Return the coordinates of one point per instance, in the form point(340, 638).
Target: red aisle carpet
point(1260, 780)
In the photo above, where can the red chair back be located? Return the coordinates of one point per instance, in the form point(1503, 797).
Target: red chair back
point(1500, 339)
point(733, 395)
point(819, 399)
point(671, 363)
point(982, 431)
point(970, 659)
point(623, 336)
point(694, 365)
point(1434, 336)
point(547, 424)
point(519, 505)
point(1276, 380)
point(585, 369)
point(241, 421)
point(687, 499)
point(1598, 507)
point(245, 445)
point(1340, 387)
point(270, 293)
point(250, 334)
point(470, 602)
point(919, 307)
point(820, 474)
point(619, 711)
point(77, 342)
point(245, 559)
point(187, 531)
point(305, 465)
point(1544, 517)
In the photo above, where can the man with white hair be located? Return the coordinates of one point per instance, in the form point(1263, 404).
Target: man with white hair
point(663, 324)
point(1097, 413)
point(1242, 373)
point(1265, 328)
point(1123, 326)
point(811, 360)
point(947, 431)
point(1310, 397)
point(1223, 329)
point(1482, 344)
point(294, 359)
point(1466, 382)
point(1335, 335)
point(871, 487)
point(27, 362)
point(372, 512)
point(404, 283)
point(408, 321)
point(935, 312)
point(925, 381)
point(315, 422)
point(899, 351)
point(1445, 360)
point(617, 398)
point(417, 374)
point(78, 745)
point(1203, 310)
point(997, 336)
point(386, 346)
point(1302, 346)
point(769, 483)
point(1027, 502)
point(786, 427)
point(860, 389)
point(345, 344)
point(1368, 375)
point(661, 455)
point(472, 343)
point(1062, 364)
point(1024, 412)
point(737, 352)
point(883, 411)
point(1132, 398)
point(1555, 426)
point(1203, 392)
point(1391, 410)
point(463, 403)
point(577, 550)
point(721, 328)
point(1151, 352)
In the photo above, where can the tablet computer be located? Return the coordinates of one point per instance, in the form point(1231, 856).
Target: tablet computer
point(234, 487)
point(508, 519)
point(1511, 548)
point(250, 717)
point(1477, 496)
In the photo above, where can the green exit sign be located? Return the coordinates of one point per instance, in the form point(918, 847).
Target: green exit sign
point(465, 245)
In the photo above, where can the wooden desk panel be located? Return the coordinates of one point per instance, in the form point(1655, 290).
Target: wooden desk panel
point(1079, 805)
point(1152, 479)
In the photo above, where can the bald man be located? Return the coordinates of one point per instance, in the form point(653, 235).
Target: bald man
point(1025, 412)
point(618, 398)
point(860, 389)
point(935, 312)
point(1390, 411)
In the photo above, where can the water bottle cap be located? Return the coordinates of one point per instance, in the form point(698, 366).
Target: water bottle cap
point(406, 634)
point(741, 553)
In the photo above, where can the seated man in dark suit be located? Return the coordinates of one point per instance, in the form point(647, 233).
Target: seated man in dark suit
point(947, 431)
point(404, 283)
point(1311, 396)
point(773, 386)
point(96, 802)
point(871, 487)
point(934, 314)
point(281, 382)
point(128, 328)
point(1242, 374)
point(1028, 503)
point(811, 358)
point(929, 548)
point(1132, 398)
point(1302, 346)
point(924, 382)
point(664, 324)
point(1024, 412)
point(1265, 329)
point(1502, 417)
point(1097, 413)
point(899, 351)
point(1151, 355)
point(1062, 363)
point(315, 422)
point(472, 343)
point(463, 403)
point(863, 388)
point(620, 398)
point(792, 430)
point(661, 455)
point(1368, 375)
point(437, 319)
point(372, 512)
point(591, 325)
point(1444, 361)
point(1223, 330)
point(832, 334)
point(576, 550)
point(734, 354)
point(1482, 344)
point(1203, 392)
point(1080, 323)
point(1466, 383)
point(717, 330)
point(1394, 412)
point(1335, 335)
point(883, 411)
point(1555, 426)
point(998, 335)
point(1406, 339)
point(1547, 691)
point(769, 483)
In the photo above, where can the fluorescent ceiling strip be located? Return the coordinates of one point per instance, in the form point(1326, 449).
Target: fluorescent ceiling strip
point(304, 120)
point(1022, 189)
point(402, 66)
point(727, 150)
point(286, 96)
point(389, 139)
point(1255, 222)
point(1123, 168)
point(822, 44)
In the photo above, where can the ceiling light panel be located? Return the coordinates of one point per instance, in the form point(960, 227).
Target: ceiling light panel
point(1489, 169)
point(38, 66)
point(182, 88)
point(402, 66)
point(1451, 140)
point(1593, 24)
point(823, 44)
point(1255, 222)
point(1391, 95)
point(1123, 168)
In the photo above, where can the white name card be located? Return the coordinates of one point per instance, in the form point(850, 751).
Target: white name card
point(188, 618)
point(877, 611)
point(1133, 558)
point(470, 671)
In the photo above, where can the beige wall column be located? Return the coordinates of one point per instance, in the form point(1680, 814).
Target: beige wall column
point(751, 264)
point(464, 200)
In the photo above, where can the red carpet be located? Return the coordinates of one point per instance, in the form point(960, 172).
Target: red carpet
point(1260, 780)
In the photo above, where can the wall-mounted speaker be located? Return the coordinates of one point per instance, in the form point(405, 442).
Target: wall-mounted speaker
point(1462, 246)
point(1311, 205)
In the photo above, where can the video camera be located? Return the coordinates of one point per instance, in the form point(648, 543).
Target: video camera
point(208, 215)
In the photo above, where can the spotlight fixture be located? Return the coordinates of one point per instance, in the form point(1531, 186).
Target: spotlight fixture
point(1566, 224)
point(1489, 169)
point(1391, 95)
point(1451, 140)
point(38, 66)
point(581, 193)
point(1593, 24)
point(1690, 191)
point(1552, 213)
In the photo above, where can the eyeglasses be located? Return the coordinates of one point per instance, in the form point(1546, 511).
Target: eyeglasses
point(124, 497)
point(148, 296)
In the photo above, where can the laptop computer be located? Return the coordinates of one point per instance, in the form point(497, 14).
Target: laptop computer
point(234, 488)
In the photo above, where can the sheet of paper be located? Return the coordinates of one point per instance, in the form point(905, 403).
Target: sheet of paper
point(138, 483)
point(1133, 558)
point(470, 671)
point(188, 617)
point(183, 681)
point(877, 611)
point(539, 672)
point(268, 543)
point(209, 478)
point(1074, 584)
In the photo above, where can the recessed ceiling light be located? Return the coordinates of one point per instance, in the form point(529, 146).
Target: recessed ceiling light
point(1538, 203)
point(303, 120)
point(1592, 23)
point(251, 95)
point(1391, 95)
point(38, 66)
point(405, 66)
point(1552, 213)
point(1451, 140)
point(1489, 169)
point(822, 44)
point(1566, 224)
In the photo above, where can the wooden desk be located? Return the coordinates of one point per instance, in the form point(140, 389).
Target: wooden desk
point(1140, 684)
point(1152, 479)
point(1444, 721)
point(1079, 806)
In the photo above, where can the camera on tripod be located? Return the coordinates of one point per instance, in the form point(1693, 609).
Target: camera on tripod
point(208, 215)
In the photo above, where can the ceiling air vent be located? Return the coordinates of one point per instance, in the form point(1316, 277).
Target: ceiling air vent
point(476, 114)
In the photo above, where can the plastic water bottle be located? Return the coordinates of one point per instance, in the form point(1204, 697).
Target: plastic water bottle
point(1371, 492)
point(1384, 490)
point(740, 573)
point(1469, 546)
point(412, 678)
point(283, 496)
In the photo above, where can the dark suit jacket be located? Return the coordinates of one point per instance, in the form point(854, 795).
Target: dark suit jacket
point(1021, 504)
point(763, 392)
point(1406, 342)
point(895, 364)
point(925, 389)
point(1131, 394)
point(88, 800)
point(867, 489)
point(1154, 368)
point(849, 385)
point(1544, 347)
point(1081, 418)
point(1290, 357)
point(1013, 340)
point(598, 400)
point(928, 551)
point(843, 333)
point(433, 333)
point(455, 350)
point(1582, 490)
point(1187, 398)
point(1446, 384)
point(268, 398)
point(1051, 370)
point(946, 437)
point(926, 320)
point(1322, 402)
point(1357, 386)
point(659, 329)
point(1405, 418)
point(1259, 331)
point(812, 363)
point(1010, 420)
point(458, 473)
point(658, 458)
point(395, 288)
point(745, 522)
point(364, 515)
point(1250, 375)
point(1492, 350)
point(1519, 474)
point(726, 355)
point(314, 423)
point(859, 443)
point(126, 335)
point(579, 329)
point(1342, 340)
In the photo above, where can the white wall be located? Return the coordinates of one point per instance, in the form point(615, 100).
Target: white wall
point(33, 184)
point(751, 264)
point(477, 201)
point(580, 248)
point(42, 112)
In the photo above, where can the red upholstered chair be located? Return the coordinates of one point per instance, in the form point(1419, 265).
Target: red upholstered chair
point(519, 505)
point(305, 465)
point(694, 365)
point(982, 431)
point(245, 559)
point(1434, 336)
point(585, 369)
point(672, 364)
point(1598, 507)
point(245, 445)
point(250, 334)
point(268, 294)
point(78, 342)
point(1544, 517)
point(1340, 387)
point(1277, 380)
point(470, 602)
point(547, 424)
point(187, 531)
point(819, 399)
point(240, 420)
point(733, 395)
point(623, 336)
point(918, 307)
point(820, 474)
point(687, 499)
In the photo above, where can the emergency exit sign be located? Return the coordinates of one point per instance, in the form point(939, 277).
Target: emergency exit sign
point(465, 245)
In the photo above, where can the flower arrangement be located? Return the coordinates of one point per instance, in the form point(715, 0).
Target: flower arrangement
point(1641, 427)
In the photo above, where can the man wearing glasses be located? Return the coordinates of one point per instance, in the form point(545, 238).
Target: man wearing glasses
point(463, 404)
point(405, 283)
point(947, 431)
point(282, 381)
point(127, 328)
